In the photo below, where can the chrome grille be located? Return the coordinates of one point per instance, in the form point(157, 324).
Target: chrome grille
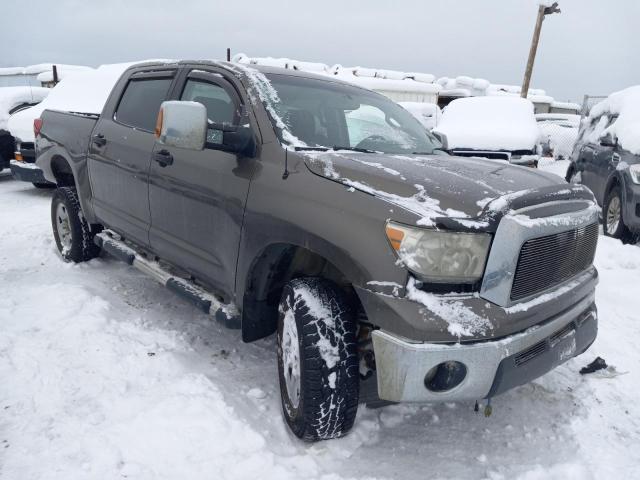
point(547, 261)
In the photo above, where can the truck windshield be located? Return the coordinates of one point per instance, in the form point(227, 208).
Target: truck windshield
point(332, 115)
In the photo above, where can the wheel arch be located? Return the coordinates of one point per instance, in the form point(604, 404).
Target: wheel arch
point(269, 271)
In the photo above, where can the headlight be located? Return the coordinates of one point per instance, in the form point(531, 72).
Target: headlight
point(440, 256)
point(634, 171)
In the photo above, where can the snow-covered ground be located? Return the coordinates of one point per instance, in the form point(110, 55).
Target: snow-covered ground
point(106, 375)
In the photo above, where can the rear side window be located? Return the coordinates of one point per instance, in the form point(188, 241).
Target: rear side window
point(140, 104)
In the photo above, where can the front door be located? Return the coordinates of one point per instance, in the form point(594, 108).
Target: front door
point(120, 155)
point(197, 198)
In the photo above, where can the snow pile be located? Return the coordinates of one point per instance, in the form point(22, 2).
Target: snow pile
point(428, 114)
point(83, 92)
point(490, 123)
point(625, 104)
point(11, 97)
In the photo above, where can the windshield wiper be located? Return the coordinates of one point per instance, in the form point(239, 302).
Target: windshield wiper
point(431, 152)
point(353, 149)
point(312, 149)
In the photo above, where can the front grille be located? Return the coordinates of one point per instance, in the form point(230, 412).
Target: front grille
point(547, 261)
point(543, 345)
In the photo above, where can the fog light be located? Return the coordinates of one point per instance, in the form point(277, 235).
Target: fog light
point(445, 376)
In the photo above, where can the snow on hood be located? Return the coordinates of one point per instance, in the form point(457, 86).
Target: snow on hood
point(11, 97)
point(490, 123)
point(625, 104)
point(81, 91)
point(429, 186)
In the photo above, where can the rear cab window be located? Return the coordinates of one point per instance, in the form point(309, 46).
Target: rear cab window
point(140, 103)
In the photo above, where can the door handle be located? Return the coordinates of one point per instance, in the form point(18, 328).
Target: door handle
point(615, 158)
point(99, 140)
point(163, 157)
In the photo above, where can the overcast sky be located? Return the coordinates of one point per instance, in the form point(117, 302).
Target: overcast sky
point(592, 47)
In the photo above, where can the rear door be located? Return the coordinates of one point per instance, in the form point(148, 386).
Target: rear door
point(588, 160)
point(197, 198)
point(120, 154)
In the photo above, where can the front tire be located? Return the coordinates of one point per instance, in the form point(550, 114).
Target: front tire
point(612, 219)
point(317, 359)
point(71, 231)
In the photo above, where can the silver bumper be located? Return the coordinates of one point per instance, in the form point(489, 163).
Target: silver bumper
point(402, 365)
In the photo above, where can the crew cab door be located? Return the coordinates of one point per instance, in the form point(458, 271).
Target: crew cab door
point(197, 198)
point(120, 154)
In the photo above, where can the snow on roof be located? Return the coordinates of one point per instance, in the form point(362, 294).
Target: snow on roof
point(566, 105)
point(371, 78)
point(490, 123)
point(625, 104)
point(11, 97)
point(40, 68)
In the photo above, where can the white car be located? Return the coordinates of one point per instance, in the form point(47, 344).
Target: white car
point(13, 100)
point(495, 127)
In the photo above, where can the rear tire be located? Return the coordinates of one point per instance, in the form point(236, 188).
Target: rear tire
point(317, 359)
point(71, 231)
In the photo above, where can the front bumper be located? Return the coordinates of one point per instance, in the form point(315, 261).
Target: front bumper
point(492, 367)
point(27, 172)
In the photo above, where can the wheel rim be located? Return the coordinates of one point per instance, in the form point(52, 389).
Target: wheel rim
point(63, 226)
point(613, 215)
point(291, 358)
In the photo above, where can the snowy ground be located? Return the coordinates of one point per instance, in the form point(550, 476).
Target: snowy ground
point(106, 375)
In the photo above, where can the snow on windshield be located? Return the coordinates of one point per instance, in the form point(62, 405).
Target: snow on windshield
point(490, 123)
point(626, 105)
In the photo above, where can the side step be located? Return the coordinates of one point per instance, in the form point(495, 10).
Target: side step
point(224, 313)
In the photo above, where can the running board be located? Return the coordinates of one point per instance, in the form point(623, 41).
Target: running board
point(224, 313)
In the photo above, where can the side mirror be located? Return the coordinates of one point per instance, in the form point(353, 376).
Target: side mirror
point(608, 140)
point(240, 140)
point(182, 125)
point(442, 138)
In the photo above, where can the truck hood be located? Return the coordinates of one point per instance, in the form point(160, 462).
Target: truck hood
point(433, 186)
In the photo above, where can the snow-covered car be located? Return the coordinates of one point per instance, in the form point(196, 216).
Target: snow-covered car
point(81, 91)
point(428, 114)
point(558, 134)
point(495, 127)
point(607, 160)
point(13, 100)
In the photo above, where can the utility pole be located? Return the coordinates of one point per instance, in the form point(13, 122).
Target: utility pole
point(542, 12)
point(228, 54)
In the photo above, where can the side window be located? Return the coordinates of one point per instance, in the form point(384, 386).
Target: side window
point(221, 108)
point(141, 102)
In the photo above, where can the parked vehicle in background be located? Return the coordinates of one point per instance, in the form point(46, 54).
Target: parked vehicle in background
point(82, 91)
point(606, 159)
point(499, 128)
point(428, 114)
point(558, 134)
point(387, 269)
point(40, 75)
point(13, 100)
